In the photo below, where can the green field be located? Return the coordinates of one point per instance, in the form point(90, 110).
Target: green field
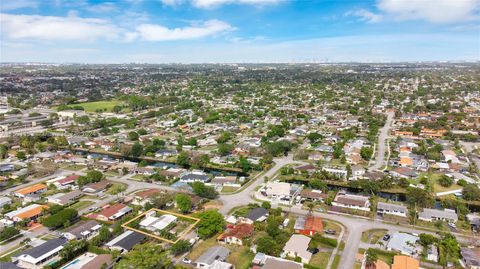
point(93, 106)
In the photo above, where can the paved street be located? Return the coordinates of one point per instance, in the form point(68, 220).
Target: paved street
point(381, 146)
point(245, 196)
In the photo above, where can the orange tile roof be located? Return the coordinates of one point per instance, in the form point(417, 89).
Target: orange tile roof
point(314, 223)
point(405, 262)
point(31, 189)
point(406, 161)
point(32, 212)
point(240, 231)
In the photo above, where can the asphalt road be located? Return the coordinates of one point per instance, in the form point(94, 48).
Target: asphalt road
point(245, 196)
point(381, 147)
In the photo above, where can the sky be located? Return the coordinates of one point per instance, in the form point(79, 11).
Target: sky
point(238, 31)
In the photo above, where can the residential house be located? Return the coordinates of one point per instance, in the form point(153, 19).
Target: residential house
point(257, 214)
point(283, 191)
point(297, 246)
point(90, 260)
point(403, 172)
point(403, 242)
point(432, 253)
point(195, 176)
point(222, 180)
point(31, 212)
point(391, 209)
point(83, 230)
point(429, 214)
point(37, 257)
point(64, 199)
point(308, 225)
point(405, 262)
point(308, 168)
point(351, 201)
point(143, 197)
point(358, 171)
point(337, 172)
point(471, 257)
point(236, 234)
point(154, 224)
point(126, 241)
point(270, 262)
point(96, 188)
point(5, 201)
point(112, 212)
point(31, 190)
point(313, 195)
point(213, 254)
point(450, 156)
point(66, 182)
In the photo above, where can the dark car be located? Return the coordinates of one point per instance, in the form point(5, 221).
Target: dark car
point(386, 237)
point(313, 251)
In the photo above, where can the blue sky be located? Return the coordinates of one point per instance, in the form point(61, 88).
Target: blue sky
point(204, 31)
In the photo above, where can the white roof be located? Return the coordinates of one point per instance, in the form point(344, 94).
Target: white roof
point(298, 243)
point(278, 188)
point(164, 221)
point(158, 223)
point(403, 242)
point(148, 221)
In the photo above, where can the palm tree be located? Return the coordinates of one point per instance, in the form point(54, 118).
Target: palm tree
point(371, 258)
point(310, 206)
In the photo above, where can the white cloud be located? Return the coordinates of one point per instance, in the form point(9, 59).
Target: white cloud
point(172, 2)
point(365, 15)
point(17, 4)
point(72, 27)
point(214, 3)
point(154, 32)
point(56, 28)
point(102, 8)
point(437, 11)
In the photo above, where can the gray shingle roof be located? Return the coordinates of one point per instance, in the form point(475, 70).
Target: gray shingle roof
point(256, 213)
point(212, 254)
point(43, 248)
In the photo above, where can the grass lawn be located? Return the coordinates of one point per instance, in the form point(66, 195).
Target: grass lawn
point(8, 257)
point(228, 189)
point(81, 205)
point(117, 188)
point(336, 261)
point(385, 256)
point(320, 259)
point(372, 236)
point(73, 167)
point(240, 256)
point(93, 106)
point(138, 177)
point(330, 225)
point(439, 188)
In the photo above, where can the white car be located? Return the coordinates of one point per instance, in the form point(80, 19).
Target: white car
point(186, 261)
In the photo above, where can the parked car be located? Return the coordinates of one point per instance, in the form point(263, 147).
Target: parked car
point(186, 261)
point(386, 237)
point(332, 232)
